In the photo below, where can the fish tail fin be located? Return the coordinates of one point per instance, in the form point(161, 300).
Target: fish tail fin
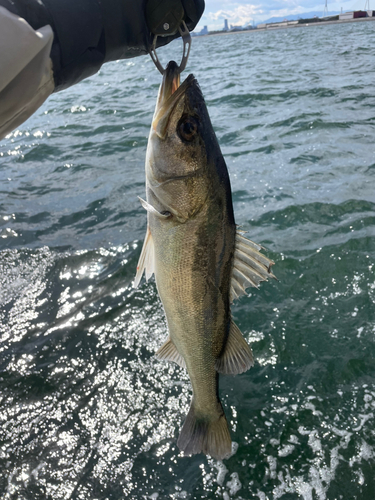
point(208, 435)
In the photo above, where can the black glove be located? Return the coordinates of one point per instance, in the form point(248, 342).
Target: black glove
point(88, 33)
point(164, 17)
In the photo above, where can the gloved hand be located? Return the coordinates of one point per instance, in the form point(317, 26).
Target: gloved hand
point(88, 33)
point(164, 17)
point(134, 23)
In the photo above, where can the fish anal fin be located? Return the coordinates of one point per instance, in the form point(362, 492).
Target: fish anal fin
point(202, 434)
point(169, 352)
point(237, 356)
point(146, 260)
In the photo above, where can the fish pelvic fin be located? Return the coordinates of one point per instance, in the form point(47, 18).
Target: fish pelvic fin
point(250, 266)
point(237, 356)
point(146, 260)
point(200, 434)
point(169, 352)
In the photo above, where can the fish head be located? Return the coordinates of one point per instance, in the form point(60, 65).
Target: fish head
point(176, 141)
point(182, 145)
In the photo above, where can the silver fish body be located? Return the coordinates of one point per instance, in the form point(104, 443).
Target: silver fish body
point(192, 247)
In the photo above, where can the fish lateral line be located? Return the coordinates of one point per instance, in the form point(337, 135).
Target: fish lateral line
point(192, 264)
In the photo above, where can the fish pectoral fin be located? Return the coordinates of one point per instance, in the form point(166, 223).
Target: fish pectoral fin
point(250, 267)
point(237, 356)
point(146, 260)
point(169, 352)
point(152, 210)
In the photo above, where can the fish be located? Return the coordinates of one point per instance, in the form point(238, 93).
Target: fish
point(200, 259)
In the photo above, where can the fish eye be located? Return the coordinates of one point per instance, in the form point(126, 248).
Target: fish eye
point(187, 128)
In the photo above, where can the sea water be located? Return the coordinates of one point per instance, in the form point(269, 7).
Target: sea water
point(86, 411)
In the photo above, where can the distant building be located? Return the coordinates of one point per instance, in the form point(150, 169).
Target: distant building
point(226, 28)
point(204, 31)
point(354, 15)
point(235, 27)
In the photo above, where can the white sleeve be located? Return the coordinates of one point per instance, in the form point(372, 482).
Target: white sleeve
point(26, 77)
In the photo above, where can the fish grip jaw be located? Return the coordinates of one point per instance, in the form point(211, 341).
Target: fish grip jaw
point(186, 40)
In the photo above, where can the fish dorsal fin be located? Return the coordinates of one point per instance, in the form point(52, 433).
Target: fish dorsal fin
point(146, 259)
point(237, 356)
point(250, 267)
point(169, 352)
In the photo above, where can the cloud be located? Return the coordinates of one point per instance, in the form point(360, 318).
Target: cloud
point(241, 12)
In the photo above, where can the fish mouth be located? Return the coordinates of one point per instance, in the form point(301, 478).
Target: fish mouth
point(170, 94)
point(170, 83)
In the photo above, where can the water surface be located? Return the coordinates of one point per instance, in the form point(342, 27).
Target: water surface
point(87, 412)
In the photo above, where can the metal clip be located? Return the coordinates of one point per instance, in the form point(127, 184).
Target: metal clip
point(186, 40)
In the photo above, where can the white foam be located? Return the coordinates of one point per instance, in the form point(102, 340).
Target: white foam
point(234, 484)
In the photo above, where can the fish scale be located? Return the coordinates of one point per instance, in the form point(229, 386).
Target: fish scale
point(190, 246)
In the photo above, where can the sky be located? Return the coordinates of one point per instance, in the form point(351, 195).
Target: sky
point(243, 12)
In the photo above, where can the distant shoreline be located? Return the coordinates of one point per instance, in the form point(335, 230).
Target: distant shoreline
point(290, 26)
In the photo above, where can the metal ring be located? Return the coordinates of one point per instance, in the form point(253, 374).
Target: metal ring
point(186, 40)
